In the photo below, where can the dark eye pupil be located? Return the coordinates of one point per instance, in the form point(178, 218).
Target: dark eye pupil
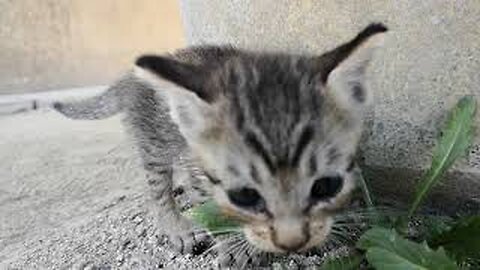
point(326, 187)
point(245, 197)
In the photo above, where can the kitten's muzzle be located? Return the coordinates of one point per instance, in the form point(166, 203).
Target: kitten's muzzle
point(290, 235)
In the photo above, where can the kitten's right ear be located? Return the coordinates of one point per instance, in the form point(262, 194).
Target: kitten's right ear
point(343, 69)
point(155, 68)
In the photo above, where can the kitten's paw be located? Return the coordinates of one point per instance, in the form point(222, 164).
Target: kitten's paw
point(194, 242)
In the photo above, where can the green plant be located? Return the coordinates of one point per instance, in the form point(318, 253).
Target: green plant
point(386, 249)
point(462, 240)
point(443, 243)
point(351, 262)
point(455, 140)
point(209, 216)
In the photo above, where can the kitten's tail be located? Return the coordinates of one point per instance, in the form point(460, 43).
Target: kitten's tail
point(102, 106)
point(97, 107)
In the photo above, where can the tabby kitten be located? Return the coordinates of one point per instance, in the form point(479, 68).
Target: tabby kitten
point(274, 133)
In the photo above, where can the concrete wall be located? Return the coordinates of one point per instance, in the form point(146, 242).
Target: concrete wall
point(50, 44)
point(431, 58)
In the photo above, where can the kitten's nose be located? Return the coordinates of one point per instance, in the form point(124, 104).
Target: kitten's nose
point(290, 235)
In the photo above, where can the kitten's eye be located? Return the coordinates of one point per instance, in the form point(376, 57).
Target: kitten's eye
point(326, 187)
point(245, 197)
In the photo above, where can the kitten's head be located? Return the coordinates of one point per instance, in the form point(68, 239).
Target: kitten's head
point(276, 133)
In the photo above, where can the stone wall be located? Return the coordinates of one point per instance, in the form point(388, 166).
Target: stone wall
point(51, 44)
point(431, 58)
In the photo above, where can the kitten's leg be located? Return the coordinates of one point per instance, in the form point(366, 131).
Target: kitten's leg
point(159, 143)
point(183, 235)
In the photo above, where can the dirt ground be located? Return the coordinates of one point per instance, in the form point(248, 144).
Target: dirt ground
point(72, 197)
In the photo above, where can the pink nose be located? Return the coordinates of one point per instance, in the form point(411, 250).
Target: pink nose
point(290, 235)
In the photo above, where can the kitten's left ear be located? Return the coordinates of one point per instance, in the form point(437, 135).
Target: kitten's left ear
point(191, 78)
point(182, 85)
point(343, 69)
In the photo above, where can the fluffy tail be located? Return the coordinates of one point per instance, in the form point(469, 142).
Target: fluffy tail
point(102, 106)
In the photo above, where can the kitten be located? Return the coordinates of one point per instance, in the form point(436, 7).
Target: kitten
point(274, 133)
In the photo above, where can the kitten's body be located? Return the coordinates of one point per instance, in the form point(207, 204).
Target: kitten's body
point(274, 134)
point(162, 148)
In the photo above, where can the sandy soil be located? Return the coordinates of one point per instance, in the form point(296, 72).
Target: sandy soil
point(72, 197)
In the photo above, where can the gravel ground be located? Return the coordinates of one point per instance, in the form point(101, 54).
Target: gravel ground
point(72, 197)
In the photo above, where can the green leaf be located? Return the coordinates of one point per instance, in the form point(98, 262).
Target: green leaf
point(463, 240)
point(342, 263)
point(454, 143)
point(432, 226)
point(386, 250)
point(210, 216)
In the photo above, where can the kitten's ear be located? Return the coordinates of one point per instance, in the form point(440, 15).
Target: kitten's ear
point(187, 76)
point(182, 85)
point(343, 69)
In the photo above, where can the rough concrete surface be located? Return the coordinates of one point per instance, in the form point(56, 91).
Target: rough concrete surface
point(430, 59)
point(72, 196)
